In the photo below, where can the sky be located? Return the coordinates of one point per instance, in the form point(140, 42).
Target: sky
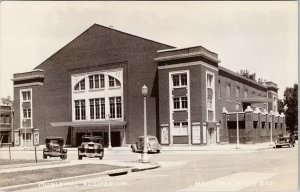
point(261, 37)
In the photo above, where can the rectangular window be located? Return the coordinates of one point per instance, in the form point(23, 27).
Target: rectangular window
point(228, 91)
point(97, 105)
point(237, 92)
point(102, 108)
point(184, 104)
point(92, 111)
point(102, 81)
point(80, 110)
point(26, 95)
point(209, 81)
point(180, 128)
point(180, 103)
point(115, 104)
point(97, 108)
point(176, 102)
point(91, 80)
point(119, 107)
point(111, 81)
point(96, 81)
point(253, 93)
point(246, 93)
point(179, 79)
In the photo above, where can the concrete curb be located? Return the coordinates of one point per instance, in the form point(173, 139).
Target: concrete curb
point(113, 172)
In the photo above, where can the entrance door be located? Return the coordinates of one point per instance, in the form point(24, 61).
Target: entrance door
point(26, 138)
point(79, 137)
point(211, 136)
point(115, 139)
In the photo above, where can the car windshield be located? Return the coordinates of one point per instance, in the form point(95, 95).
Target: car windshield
point(52, 142)
point(151, 139)
point(92, 139)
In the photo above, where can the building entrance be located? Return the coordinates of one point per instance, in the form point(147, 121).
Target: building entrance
point(211, 136)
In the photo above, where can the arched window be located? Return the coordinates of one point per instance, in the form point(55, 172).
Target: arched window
point(96, 81)
point(113, 82)
point(80, 85)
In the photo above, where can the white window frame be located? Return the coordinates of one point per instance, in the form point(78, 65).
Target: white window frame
point(180, 103)
point(214, 95)
point(181, 128)
point(94, 81)
point(21, 108)
point(180, 84)
point(115, 107)
point(80, 110)
point(171, 109)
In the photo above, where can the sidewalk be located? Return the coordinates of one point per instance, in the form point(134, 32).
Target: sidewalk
point(215, 147)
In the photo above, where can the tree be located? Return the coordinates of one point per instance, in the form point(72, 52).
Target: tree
point(280, 106)
point(245, 73)
point(7, 101)
point(291, 101)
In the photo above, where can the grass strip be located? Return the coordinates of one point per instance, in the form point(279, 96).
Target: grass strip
point(30, 176)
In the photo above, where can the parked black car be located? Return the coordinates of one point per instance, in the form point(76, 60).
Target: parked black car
point(54, 148)
point(91, 146)
point(285, 140)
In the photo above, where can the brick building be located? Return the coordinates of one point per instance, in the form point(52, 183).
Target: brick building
point(6, 114)
point(96, 80)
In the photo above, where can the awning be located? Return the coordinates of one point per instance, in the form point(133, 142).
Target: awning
point(257, 100)
point(88, 123)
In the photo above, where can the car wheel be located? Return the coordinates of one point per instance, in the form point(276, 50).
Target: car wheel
point(158, 151)
point(133, 150)
point(45, 156)
point(101, 157)
point(79, 157)
point(63, 157)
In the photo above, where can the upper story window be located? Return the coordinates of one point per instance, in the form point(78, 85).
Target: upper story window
point(237, 92)
point(228, 91)
point(113, 82)
point(180, 103)
point(246, 93)
point(209, 81)
point(96, 81)
point(219, 87)
point(97, 108)
point(80, 110)
point(115, 107)
point(179, 79)
point(253, 93)
point(80, 85)
point(26, 95)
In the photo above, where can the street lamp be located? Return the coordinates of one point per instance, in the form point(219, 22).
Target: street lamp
point(145, 157)
point(109, 138)
point(237, 127)
point(271, 128)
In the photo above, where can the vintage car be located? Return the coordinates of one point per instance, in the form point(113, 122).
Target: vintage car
point(284, 140)
point(152, 144)
point(91, 146)
point(54, 148)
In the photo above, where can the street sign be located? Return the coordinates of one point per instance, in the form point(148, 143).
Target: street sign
point(36, 138)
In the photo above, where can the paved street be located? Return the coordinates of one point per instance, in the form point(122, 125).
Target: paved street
point(265, 170)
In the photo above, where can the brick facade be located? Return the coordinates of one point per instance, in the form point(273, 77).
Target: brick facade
point(101, 49)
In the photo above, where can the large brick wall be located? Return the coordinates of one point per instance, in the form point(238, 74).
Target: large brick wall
point(100, 47)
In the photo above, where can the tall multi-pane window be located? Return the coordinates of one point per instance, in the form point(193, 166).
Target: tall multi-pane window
point(180, 103)
point(80, 110)
point(96, 81)
point(25, 108)
point(228, 91)
point(179, 79)
point(210, 95)
point(97, 108)
point(26, 95)
point(115, 105)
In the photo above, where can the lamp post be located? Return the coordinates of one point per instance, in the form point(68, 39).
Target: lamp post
point(237, 127)
point(109, 138)
point(145, 157)
point(271, 128)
